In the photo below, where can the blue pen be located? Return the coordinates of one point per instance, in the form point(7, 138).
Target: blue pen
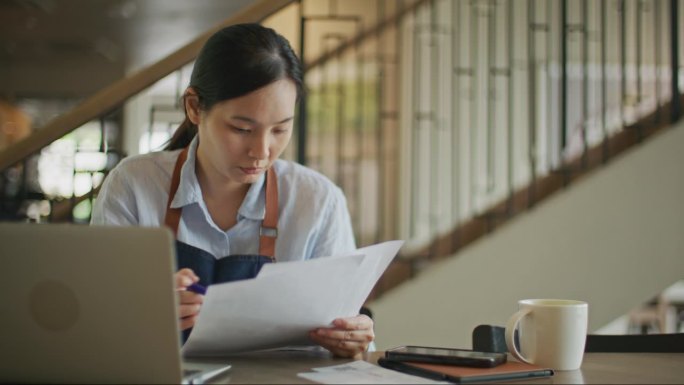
point(197, 288)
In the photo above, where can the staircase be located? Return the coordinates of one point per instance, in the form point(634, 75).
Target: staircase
point(612, 239)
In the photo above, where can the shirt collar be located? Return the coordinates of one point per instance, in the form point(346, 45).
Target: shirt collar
point(189, 192)
point(254, 205)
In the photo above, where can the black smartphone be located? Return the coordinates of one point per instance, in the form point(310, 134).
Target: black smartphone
point(446, 356)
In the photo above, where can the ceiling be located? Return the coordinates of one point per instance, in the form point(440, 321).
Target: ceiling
point(72, 48)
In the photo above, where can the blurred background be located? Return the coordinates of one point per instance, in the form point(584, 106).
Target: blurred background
point(522, 149)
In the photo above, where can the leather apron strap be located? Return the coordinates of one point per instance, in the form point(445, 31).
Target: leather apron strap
point(172, 217)
point(268, 231)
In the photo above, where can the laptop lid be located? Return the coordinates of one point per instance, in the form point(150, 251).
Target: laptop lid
point(88, 304)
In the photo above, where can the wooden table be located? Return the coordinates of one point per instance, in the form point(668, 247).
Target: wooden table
point(604, 368)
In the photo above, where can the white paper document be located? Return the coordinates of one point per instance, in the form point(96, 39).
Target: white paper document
point(286, 301)
point(362, 372)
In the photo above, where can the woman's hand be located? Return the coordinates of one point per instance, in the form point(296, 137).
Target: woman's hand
point(190, 302)
point(348, 337)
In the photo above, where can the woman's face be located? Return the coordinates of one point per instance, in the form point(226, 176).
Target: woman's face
point(240, 138)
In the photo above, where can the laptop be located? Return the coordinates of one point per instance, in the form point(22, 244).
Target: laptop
point(91, 304)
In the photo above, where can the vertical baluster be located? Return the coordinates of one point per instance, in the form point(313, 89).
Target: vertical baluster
point(604, 83)
point(550, 144)
point(474, 121)
point(323, 127)
point(490, 104)
point(302, 108)
point(638, 42)
point(381, 56)
point(72, 199)
point(531, 101)
point(563, 74)
point(584, 30)
point(675, 112)
point(398, 48)
point(434, 181)
point(360, 140)
point(416, 54)
point(639, 64)
point(104, 148)
point(455, 119)
point(656, 53)
point(623, 59)
point(339, 123)
point(511, 106)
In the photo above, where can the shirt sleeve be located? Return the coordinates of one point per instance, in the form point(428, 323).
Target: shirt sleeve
point(335, 236)
point(115, 204)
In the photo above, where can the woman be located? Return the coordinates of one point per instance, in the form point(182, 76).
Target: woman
point(221, 188)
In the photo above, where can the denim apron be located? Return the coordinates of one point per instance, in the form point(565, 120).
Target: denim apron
point(209, 269)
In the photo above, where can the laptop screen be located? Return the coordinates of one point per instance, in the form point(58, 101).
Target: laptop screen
point(88, 304)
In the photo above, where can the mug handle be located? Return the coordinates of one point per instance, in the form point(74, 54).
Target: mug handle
point(511, 325)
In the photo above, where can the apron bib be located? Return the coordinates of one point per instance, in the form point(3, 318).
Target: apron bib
point(209, 269)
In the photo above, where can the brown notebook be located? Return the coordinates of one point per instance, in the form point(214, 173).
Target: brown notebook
point(510, 370)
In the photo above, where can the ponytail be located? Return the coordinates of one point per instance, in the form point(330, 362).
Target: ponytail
point(182, 136)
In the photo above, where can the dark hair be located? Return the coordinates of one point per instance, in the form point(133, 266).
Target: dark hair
point(235, 61)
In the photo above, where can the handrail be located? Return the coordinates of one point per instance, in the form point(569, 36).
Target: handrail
point(116, 94)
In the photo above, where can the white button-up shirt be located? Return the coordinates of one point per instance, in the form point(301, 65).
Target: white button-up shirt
point(313, 216)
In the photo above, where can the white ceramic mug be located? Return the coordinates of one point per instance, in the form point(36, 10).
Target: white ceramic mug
point(552, 332)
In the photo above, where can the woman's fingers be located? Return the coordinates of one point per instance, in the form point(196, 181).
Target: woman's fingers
point(358, 328)
point(185, 277)
point(344, 344)
point(189, 297)
point(190, 302)
point(348, 337)
point(185, 311)
point(359, 322)
point(340, 348)
point(190, 305)
point(188, 322)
